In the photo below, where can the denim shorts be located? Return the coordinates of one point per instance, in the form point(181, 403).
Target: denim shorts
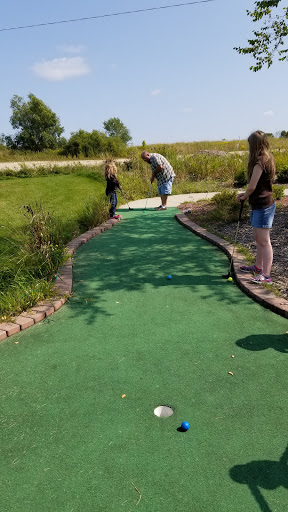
point(165, 188)
point(263, 218)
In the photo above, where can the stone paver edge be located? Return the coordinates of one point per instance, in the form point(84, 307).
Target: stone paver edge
point(258, 293)
point(62, 287)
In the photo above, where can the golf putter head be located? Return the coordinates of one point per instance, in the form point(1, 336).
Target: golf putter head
point(126, 200)
point(226, 276)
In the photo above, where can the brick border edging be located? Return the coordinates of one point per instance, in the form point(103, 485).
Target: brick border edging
point(62, 287)
point(258, 293)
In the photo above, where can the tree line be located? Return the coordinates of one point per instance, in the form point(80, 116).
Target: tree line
point(38, 128)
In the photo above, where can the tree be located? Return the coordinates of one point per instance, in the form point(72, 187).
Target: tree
point(93, 144)
point(284, 134)
point(115, 128)
point(270, 38)
point(39, 128)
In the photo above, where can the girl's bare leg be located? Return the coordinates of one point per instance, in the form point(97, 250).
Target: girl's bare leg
point(264, 257)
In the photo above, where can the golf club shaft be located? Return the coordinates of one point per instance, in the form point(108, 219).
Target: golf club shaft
point(148, 195)
point(237, 229)
point(241, 210)
point(125, 198)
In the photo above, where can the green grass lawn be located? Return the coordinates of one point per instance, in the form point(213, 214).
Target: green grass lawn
point(65, 195)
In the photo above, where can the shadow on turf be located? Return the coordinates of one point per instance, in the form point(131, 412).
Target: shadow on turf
point(265, 474)
point(257, 342)
point(124, 210)
point(143, 250)
point(180, 429)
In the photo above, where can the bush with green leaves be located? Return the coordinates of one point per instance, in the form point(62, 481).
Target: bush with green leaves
point(30, 264)
point(282, 173)
point(94, 144)
point(227, 207)
point(281, 159)
point(94, 213)
point(278, 192)
point(240, 178)
point(44, 250)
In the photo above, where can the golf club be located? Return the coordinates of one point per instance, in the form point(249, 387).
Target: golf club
point(126, 200)
point(148, 196)
point(226, 276)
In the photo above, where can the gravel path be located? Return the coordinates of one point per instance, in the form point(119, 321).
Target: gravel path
point(17, 166)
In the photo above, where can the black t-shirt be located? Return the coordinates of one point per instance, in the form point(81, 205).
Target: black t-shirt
point(262, 196)
point(112, 185)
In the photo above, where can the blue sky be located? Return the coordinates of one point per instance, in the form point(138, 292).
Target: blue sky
point(169, 75)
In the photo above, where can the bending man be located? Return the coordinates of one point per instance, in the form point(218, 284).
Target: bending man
point(164, 174)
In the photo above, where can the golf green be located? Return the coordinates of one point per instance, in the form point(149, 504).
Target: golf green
point(72, 442)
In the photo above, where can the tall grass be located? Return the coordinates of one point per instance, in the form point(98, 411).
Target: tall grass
point(180, 148)
point(188, 148)
point(33, 235)
point(14, 155)
point(198, 173)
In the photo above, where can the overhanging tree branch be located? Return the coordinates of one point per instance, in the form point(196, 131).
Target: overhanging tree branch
point(269, 40)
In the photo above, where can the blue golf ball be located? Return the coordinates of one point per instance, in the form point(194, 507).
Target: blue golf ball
point(185, 425)
point(169, 277)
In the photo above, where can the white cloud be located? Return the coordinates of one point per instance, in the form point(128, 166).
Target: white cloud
point(71, 48)
point(269, 113)
point(186, 110)
point(156, 92)
point(61, 69)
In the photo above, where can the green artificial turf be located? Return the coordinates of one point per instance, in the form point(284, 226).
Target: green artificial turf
point(70, 442)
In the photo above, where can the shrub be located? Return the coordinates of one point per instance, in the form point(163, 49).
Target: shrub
point(94, 213)
point(227, 207)
point(282, 174)
point(278, 192)
point(29, 264)
point(43, 251)
point(240, 178)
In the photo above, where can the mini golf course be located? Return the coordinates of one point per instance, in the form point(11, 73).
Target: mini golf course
point(78, 390)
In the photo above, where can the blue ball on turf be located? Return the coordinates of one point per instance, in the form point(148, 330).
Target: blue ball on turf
point(185, 425)
point(169, 277)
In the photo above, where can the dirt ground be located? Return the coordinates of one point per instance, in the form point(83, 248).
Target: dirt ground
point(279, 237)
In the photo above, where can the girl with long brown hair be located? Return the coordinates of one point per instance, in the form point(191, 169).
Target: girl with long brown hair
point(261, 174)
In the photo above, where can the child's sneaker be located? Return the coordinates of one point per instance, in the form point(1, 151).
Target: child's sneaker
point(115, 217)
point(250, 269)
point(261, 278)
